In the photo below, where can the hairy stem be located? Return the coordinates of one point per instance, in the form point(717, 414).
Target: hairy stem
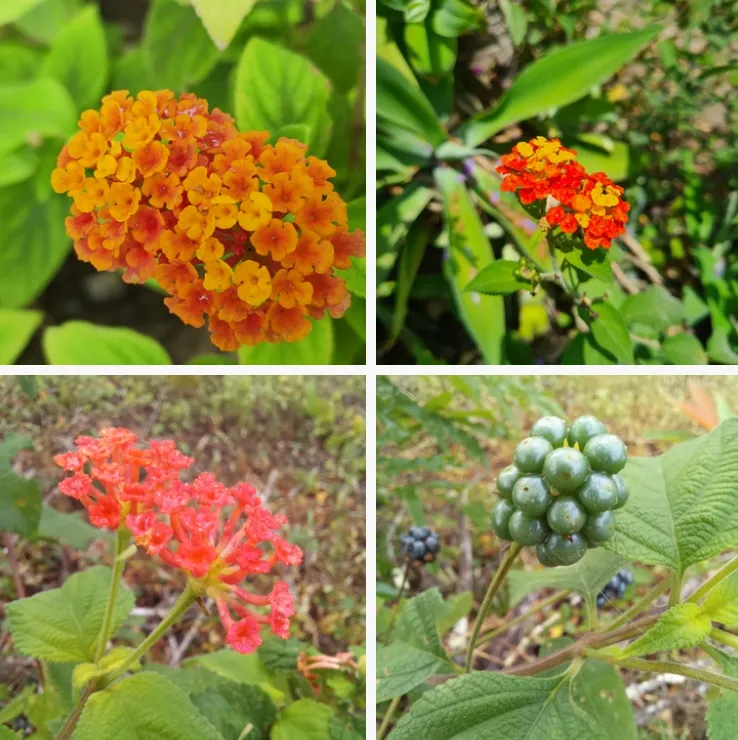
point(396, 608)
point(665, 666)
point(675, 595)
point(591, 607)
point(726, 638)
point(68, 727)
point(710, 583)
point(122, 538)
point(640, 605)
point(512, 553)
point(387, 719)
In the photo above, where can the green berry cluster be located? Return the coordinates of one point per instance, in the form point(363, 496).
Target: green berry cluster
point(562, 490)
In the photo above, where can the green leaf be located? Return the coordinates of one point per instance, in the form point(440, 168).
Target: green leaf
point(18, 63)
point(70, 529)
point(611, 333)
point(416, 624)
point(277, 88)
point(176, 46)
point(62, 625)
point(411, 258)
point(17, 166)
point(719, 348)
point(10, 446)
point(492, 705)
point(452, 18)
point(587, 577)
point(560, 77)
point(655, 307)
point(341, 63)
point(304, 719)
point(28, 110)
point(469, 253)
point(722, 716)
point(683, 626)
point(402, 667)
point(11, 11)
point(594, 262)
point(455, 608)
point(516, 19)
point(721, 604)
point(132, 72)
point(315, 349)
point(34, 241)
point(20, 504)
point(46, 20)
point(281, 655)
point(598, 153)
point(78, 58)
point(682, 503)
point(401, 103)
point(145, 707)
point(231, 707)
point(416, 11)
point(502, 277)
point(80, 343)
point(222, 19)
point(16, 330)
point(428, 53)
point(7, 734)
point(684, 349)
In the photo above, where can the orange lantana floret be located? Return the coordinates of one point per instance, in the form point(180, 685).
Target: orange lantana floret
point(593, 203)
point(240, 232)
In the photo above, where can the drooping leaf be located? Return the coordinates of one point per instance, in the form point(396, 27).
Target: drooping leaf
point(222, 19)
point(146, 707)
point(16, 330)
point(62, 625)
point(490, 705)
point(682, 503)
point(81, 343)
point(560, 77)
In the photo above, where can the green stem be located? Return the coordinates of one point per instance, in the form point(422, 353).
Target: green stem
point(185, 601)
point(675, 595)
point(591, 615)
point(710, 583)
point(725, 637)
point(68, 727)
point(387, 719)
point(641, 605)
point(497, 580)
point(396, 608)
point(659, 666)
point(122, 538)
point(497, 631)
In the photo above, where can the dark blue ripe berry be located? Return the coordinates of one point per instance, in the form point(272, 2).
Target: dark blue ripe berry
point(616, 588)
point(421, 544)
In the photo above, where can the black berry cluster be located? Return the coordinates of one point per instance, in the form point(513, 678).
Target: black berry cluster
point(562, 490)
point(616, 588)
point(421, 544)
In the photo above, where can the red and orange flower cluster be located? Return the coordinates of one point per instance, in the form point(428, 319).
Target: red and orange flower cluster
point(218, 535)
point(242, 231)
point(542, 167)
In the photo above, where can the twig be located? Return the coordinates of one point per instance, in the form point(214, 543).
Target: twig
point(639, 257)
point(387, 720)
point(629, 286)
point(640, 605)
point(20, 589)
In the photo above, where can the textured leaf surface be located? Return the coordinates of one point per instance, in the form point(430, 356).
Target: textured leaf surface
point(721, 604)
point(482, 705)
point(682, 504)
point(722, 717)
point(304, 719)
point(143, 707)
point(417, 622)
point(402, 667)
point(62, 625)
point(69, 528)
point(587, 577)
point(684, 625)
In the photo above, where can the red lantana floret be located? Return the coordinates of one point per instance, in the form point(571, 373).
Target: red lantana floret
point(218, 535)
point(543, 168)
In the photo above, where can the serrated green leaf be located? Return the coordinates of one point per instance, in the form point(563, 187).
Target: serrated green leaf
point(78, 58)
point(682, 503)
point(469, 253)
point(69, 528)
point(557, 79)
point(587, 577)
point(275, 88)
point(611, 333)
point(683, 626)
point(722, 716)
point(304, 719)
point(82, 343)
point(20, 504)
point(281, 655)
point(402, 667)
point(499, 278)
point(721, 604)
point(145, 707)
point(62, 625)
point(491, 705)
point(222, 19)
point(416, 624)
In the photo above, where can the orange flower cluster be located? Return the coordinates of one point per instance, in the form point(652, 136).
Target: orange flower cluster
point(543, 167)
point(242, 231)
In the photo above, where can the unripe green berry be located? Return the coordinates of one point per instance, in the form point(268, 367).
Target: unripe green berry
point(599, 527)
point(527, 530)
point(501, 514)
point(623, 491)
point(566, 515)
point(506, 480)
point(606, 453)
point(583, 429)
point(544, 556)
point(532, 495)
point(566, 550)
point(598, 493)
point(531, 453)
point(566, 469)
point(551, 428)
